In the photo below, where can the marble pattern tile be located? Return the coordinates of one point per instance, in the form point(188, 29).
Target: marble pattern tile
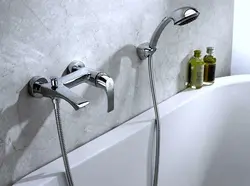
point(43, 37)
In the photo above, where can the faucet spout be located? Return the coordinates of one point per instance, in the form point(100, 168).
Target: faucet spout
point(74, 100)
point(40, 87)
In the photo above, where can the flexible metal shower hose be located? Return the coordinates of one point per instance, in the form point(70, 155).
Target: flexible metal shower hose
point(157, 123)
point(61, 140)
point(156, 126)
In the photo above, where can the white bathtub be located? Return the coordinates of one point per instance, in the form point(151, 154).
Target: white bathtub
point(205, 141)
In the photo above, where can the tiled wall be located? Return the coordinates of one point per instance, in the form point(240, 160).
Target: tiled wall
point(43, 37)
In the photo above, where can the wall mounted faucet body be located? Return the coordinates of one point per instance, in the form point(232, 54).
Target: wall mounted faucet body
point(77, 74)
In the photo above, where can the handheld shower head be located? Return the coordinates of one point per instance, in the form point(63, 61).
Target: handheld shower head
point(180, 17)
point(184, 15)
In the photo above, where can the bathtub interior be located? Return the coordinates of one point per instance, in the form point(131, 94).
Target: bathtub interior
point(205, 137)
point(205, 142)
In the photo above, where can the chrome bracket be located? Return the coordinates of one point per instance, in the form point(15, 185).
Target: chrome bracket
point(34, 86)
point(144, 51)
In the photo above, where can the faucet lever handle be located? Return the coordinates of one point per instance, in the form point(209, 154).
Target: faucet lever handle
point(105, 82)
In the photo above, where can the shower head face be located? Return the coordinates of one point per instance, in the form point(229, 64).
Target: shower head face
point(181, 16)
point(184, 15)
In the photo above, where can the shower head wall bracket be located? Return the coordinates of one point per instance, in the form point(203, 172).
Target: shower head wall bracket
point(144, 51)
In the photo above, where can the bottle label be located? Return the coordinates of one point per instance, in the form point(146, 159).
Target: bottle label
point(199, 75)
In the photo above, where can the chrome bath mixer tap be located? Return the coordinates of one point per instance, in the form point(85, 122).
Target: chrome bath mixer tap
point(77, 74)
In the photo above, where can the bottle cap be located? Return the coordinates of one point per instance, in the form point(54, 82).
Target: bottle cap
point(210, 50)
point(197, 53)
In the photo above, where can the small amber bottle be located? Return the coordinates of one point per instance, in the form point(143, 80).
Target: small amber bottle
point(196, 70)
point(209, 66)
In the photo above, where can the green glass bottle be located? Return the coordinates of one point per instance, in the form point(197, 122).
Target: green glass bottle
point(196, 70)
point(209, 67)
